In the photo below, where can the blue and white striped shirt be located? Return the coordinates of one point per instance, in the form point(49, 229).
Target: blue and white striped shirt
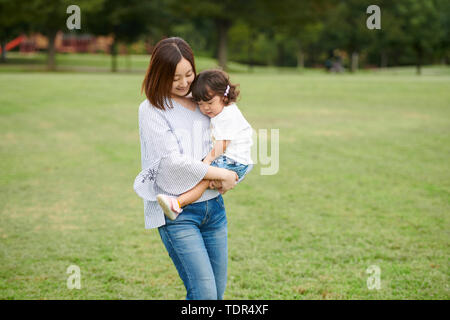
point(173, 143)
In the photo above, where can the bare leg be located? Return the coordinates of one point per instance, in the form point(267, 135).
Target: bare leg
point(194, 194)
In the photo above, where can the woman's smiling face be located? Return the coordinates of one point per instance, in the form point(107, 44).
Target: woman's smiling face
point(184, 76)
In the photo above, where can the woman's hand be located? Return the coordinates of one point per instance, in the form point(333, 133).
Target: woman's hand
point(229, 182)
point(228, 178)
point(215, 184)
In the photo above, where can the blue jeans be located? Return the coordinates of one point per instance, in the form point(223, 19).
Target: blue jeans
point(227, 163)
point(197, 243)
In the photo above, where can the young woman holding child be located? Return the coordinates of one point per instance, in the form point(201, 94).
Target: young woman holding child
point(176, 170)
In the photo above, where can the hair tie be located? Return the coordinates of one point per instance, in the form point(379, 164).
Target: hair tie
point(226, 91)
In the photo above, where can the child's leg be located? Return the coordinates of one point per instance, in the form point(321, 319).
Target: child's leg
point(194, 194)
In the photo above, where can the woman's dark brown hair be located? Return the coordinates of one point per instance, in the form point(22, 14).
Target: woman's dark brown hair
point(158, 80)
point(210, 83)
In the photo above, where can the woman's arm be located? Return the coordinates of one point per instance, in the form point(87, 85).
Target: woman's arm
point(178, 174)
point(227, 178)
point(172, 171)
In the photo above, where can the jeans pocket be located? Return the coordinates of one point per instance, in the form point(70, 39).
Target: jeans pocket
point(219, 200)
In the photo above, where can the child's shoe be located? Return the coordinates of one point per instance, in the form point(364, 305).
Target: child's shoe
point(169, 205)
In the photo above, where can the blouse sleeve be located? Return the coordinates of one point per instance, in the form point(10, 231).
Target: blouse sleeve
point(162, 162)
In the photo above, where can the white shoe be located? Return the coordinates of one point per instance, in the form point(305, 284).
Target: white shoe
point(169, 205)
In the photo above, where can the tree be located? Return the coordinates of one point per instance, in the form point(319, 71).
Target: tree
point(222, 13)
point(13, 21)
point(299, 21)
point(50, 17)
point(384, 44)
point(126, 22)
point(443, 7)
point(345, 28)
point(420, 25)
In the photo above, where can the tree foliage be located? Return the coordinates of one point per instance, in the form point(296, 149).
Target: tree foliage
point(279, 32)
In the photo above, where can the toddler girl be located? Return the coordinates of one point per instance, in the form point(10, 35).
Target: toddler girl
point(231, 135)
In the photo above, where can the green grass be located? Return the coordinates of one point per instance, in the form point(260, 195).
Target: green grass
point(363, 180)
point(68, 62)
point(86, 62)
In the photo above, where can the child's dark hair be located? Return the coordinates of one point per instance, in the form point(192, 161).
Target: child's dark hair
point(210, 83)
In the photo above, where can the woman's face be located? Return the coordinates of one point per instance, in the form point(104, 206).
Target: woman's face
point(184, 76)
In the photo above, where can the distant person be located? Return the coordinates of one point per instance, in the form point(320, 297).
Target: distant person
point(337, 64)
point(174, 138)
point(231, 133)
point(328, 64)
point(329, 61)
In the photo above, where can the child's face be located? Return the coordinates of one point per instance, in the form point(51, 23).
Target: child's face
point(212, 107)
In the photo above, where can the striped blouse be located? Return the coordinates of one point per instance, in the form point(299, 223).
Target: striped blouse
point(173, 142)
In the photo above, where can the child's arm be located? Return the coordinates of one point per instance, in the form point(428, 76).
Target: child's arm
point(219, 148)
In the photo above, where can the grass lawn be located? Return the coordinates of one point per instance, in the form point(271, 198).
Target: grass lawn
point(68, 62)
point(363, 180)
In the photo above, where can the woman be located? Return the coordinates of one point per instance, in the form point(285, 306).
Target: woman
point(175, 138)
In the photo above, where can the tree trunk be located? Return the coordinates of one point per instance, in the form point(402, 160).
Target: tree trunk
point(300, 60)
point(280, 54)
point(3, 45)
point(300, 56)
point(51, 51)
point(419, 61)
point(384, 59)
point(251, 38)
point(128, 62)
point(223, 26)
point(113, 50)
point(419, 53)
point(128, 58)
point(354, 64)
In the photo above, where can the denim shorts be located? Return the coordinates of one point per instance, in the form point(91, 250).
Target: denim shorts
point(230, 164)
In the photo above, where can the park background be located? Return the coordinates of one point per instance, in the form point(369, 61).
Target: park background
point(364, 143)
